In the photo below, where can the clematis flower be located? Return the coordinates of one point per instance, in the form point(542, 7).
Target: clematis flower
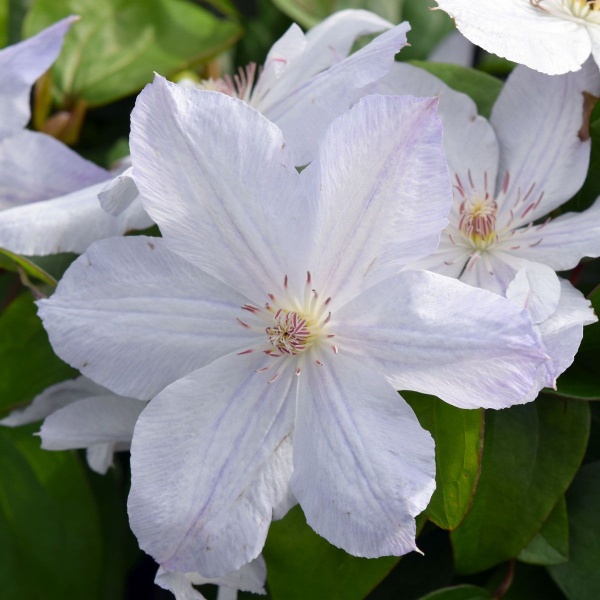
point(551, 36)
point(508, 174)
point(81, 414)
point(272, 323)
point(48, 193)
point(306, 82)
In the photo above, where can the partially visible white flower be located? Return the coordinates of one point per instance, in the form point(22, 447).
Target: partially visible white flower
point(48, 193)
point(551, 36)
point(272, 324)
point(531, 157)
point(81, 414)
point(306, 82)
point(249, 578)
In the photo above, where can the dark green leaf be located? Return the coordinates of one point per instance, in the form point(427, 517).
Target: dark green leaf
point(531, 453)
point(527, 582)
point(460, 592)
point(481, 87)
point(550, 545)
point(27, 363)
point(51, 543)
point(458, 436)
point(579, 578)
point(118, 44)
point(304, 565)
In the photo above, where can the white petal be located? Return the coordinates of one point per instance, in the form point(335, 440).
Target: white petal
point(66, 224)
point(562, 242)
point(308, 106)
point(100, 456)
point(435, 335)
point(449, 259)
point(216, 177)
point(363, 466)
point(20, 66)
point(93, 420)
point(119, 193)
point(295, 58)
point(382, 193)
point(595, 35)
point(454, 49)
point(540, 148)
point(249, 578)
point(563, 331)
point(535, 289)
point(53, 398)
point(521, 32)
point(206, 473)
point(135, 317)
point(469, 140)
point(35, 166)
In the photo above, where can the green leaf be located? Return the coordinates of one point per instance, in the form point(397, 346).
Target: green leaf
point(531, 453)
point(27, 363)
point(304, 565)
point(459, 592)
point(550, 545)
point(309, 13)
point(51, 542)
point(481, 87)
point(118, 44)
point(458, 436)
point(3, 23)
point(579, 578)
point(527, 582)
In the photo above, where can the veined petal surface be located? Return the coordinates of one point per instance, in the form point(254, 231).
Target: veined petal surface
point(521, 32)
point(20, 66)
point(35, 167)
point(308, 107)
point(542, 149)
point(381, 193)
point(469, 140)
point(66, 224)
point(363, 466)
point(119, 193)
point(435, 335)
point(562, 242)
point(206, 467)
point(235, 207)
point(136, 317)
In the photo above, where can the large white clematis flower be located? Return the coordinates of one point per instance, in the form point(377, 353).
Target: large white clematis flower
point(551, 36)
point(271, 326)
point(48, 193)
point(507, 174)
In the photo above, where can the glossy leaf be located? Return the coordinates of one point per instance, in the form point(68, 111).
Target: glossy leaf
point(550, 545)
point(531, 453)
point(118, 44)
point(301, 564)
point(51, 542)
point(27, 363)
point(458, 436)
point(481, 87)
point(459, 592)
point(579, 578)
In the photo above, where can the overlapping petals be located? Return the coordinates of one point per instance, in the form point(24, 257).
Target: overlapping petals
point(212, 452)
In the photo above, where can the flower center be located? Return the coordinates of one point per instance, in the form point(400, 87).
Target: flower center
point(587, 10)
point(478, 221)
point(293, 326)
point(239, 86)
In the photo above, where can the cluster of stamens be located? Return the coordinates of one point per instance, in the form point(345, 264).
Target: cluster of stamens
point(239, 86)
point(580, 9)
point(293, 327)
